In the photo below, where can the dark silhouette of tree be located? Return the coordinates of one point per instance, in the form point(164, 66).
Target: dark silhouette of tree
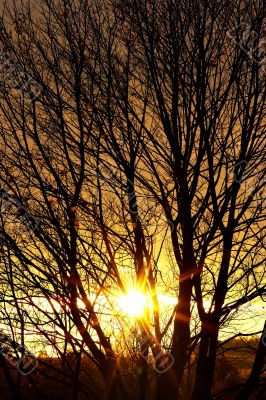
point(132, 131)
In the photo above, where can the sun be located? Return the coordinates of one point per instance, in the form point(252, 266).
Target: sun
point(133, 303)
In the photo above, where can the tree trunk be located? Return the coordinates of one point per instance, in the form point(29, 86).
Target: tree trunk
point(143, 379)
point(168, 384)
point(181, 336)
point(143, 368)
point(206, 360)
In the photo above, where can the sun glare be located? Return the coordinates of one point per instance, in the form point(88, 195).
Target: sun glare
point(133, 303)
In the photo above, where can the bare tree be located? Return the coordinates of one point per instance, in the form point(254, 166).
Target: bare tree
point(188, 84)
point(125, 124)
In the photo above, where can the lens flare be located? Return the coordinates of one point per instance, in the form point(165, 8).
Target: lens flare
point(133, 303)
